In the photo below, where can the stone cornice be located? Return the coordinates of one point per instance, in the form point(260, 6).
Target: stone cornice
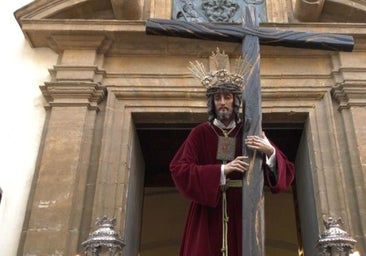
point(59, 42)
point(79, 73)
point(73, 94)
point(41, 9)
point(41, 33)
point(138, 93)
point(350, 94)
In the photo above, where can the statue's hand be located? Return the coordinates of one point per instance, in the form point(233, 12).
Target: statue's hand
point(261, 144)
point(239, 164)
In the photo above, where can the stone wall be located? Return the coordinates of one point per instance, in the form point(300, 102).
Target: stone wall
point(111, 76)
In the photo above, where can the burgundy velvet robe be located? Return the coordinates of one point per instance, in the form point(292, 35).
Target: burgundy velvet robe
point(196, 174)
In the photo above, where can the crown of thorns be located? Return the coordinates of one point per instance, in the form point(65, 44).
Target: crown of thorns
point(220, 74)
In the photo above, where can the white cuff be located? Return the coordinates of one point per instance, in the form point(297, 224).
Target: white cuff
point(271, 161)
point(222, 177)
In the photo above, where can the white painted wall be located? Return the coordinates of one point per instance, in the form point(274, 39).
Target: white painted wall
point(22, 115)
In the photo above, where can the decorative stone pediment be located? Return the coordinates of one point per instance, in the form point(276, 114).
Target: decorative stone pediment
point(320, 10)
point(122, 22)
point(81, 9)
point(45, 22)
point(343, 11)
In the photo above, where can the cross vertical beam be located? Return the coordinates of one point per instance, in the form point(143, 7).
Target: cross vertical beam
point(252, 191)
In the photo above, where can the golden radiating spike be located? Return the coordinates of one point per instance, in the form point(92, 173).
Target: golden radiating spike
point(197, 69)
point(219, 73)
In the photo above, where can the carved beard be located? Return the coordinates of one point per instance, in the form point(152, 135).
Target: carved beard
point(224, 115)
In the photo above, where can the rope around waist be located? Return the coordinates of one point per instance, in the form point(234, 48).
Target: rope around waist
point(225, 217)
point(232, 184)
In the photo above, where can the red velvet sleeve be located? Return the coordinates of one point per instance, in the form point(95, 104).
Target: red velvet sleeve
point(285, 173)
point(195, 175)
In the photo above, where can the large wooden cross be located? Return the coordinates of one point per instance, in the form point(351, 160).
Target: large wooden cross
point(251, 35)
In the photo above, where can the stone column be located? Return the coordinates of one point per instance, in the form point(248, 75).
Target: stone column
point(62, 191)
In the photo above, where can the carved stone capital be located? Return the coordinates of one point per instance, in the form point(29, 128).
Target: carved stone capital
point(350, 94)
point(73, 94)
point(97, 42)
point(79, 73)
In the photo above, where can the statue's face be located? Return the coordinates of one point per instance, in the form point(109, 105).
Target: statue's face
point(224, 104)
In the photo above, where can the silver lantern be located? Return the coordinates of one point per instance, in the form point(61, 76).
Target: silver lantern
point(104, 240)
point(334, 241)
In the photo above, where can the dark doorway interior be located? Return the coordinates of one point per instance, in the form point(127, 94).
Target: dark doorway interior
point(159, 142)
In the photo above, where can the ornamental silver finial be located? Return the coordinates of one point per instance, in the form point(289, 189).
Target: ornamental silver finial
point(334, 241)
point(104, 239)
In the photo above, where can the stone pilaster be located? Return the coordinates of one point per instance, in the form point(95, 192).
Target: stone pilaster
point(160, 9)
point(277, 11)
point(64, 181)
point(349, 94)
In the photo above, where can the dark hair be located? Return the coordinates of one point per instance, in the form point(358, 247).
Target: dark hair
point(211, 106)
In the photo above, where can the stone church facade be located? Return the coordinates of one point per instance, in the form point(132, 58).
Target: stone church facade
point(119, 103)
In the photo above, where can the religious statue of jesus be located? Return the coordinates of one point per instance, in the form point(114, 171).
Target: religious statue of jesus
point(209, 166)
